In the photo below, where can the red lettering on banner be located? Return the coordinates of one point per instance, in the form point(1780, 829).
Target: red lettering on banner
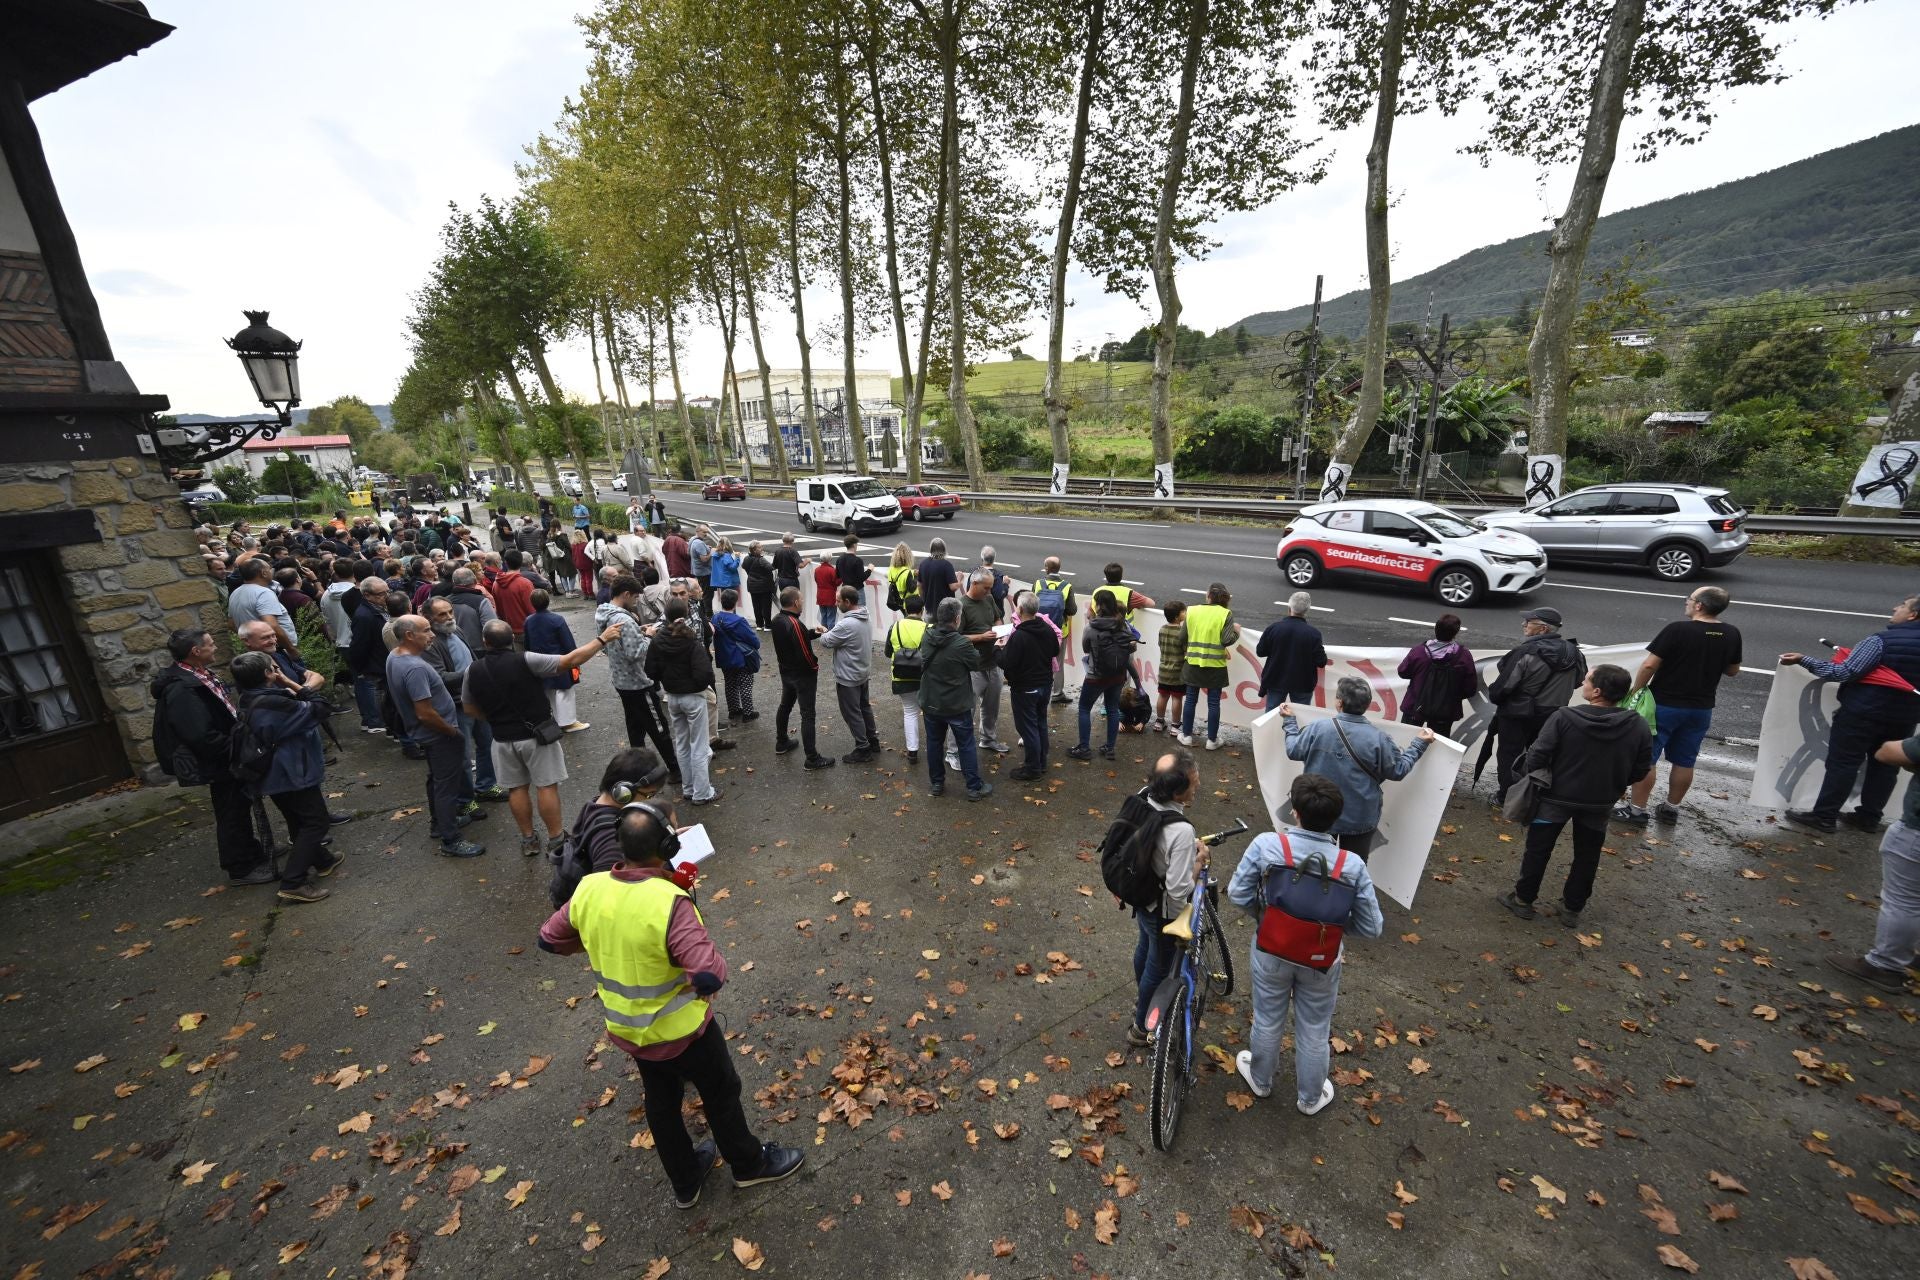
point(1385, 701)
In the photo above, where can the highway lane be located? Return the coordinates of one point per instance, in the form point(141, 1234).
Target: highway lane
point(1779, 605)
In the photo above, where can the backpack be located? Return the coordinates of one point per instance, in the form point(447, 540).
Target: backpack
point(1112, 653)
point(1050, 598)
point(1307, 908)
point(1126, 851)
point(894, 602)
point(249, 757)
point(570, 866)
point(176, 757)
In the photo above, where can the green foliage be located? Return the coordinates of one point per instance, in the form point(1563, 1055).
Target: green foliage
point(1231, 440)
point(1787, 348)
point(289, 475)
point(236, 482)
point(1791, 473)
point(344, 415)
point(228, 512)
point(390, 452)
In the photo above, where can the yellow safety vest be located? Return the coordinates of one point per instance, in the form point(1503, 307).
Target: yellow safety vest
point(644, 996)
point(906, 635)
point(1120, 595)
point(903, 581)
point(1206, 624)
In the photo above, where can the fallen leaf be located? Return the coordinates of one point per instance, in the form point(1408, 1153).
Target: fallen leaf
point(593, 1241)
point(329, 1204)
point(88, 1064)
point(1397, 1220)
point(1419, 1066)
point(191, 1021)
point(359, 1124)
point(1002, 1247)
point(463, 1180)
point(1674, 1258)
point(1706, 1045)
point(493, 1175)
point(27, 1064)
point(1403, 1195)
point(291, 1251)
point(194, 1174)
point(1073, 1218)
point(452, 1224)
point(1725, 1182)
point(1239, 1101)
point(657, 1268)
point(1722, 1212)
point(748, 1254)
point(486, 1028)
point(903, 1198)
point(1662, 1219)
point(517, 1195)
point(1869, 1209)
point(943, 1189)
point(1008, 1131)
point(1547, 1190)
point(929, 955)
point(1810, 1269)
point(1106, 1222)
point(1765, 1012)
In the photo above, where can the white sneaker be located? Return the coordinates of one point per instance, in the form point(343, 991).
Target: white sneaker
point(1243, 1062)
point(1213, 744)
point(1326, 1096)
point(1184, 739)
point(952, 760)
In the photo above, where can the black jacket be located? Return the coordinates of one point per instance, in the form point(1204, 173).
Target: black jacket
point(1537, 676)
point(793, 646)
point(1027, 658)
point(187, 715)
point(1294, 655)
point(367, 654)
point(1594, 754)
point(678, 662)
point(852, 571)
point(759, 571)
point(786, 567)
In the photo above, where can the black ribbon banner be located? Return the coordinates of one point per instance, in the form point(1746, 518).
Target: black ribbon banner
point(1895, 466)
point(1543, 477)
point(1160, 487)
point(1333, 488)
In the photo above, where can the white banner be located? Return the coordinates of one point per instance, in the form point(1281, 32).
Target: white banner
point(1410, 811)
point(1057, 487)
point(1163, 479)
point(1333, 482)
point(1886, 479)
point(1546, 478)
point(1793, 744)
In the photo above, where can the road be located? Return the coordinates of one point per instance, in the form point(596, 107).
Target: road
point(1779, 605)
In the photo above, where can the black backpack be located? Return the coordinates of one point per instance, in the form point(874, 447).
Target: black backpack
point(1126, 852)
point(249, 756)
point(1112, 652)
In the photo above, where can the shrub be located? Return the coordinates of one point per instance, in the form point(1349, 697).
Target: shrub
point(1238, 439)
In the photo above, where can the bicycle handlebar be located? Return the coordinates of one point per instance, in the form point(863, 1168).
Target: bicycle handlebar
point(1239, 827)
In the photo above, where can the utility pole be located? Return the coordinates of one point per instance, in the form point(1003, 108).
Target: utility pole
point(1310, 373)
point(1436, 363)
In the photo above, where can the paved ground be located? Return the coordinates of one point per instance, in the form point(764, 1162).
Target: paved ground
point(399, 1082)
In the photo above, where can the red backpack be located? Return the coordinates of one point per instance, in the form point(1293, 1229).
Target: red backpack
point(1307, 908)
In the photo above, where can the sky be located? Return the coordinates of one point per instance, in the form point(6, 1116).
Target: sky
point(301, 158)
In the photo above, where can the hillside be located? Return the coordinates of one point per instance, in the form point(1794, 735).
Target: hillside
point(1029, 378)
point(1846, 216)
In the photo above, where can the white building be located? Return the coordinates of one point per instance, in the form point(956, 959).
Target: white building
point(330, 456)
point(880, 418)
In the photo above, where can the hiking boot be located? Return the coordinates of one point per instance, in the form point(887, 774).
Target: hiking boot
point(1664, 812)
point(262, 874)
point(529, 846)
point(784, 745)
point(1812, 821)
point(468, 816)
point(1624, 812)
point(554, 844)
point(1080, 753)
point(1567, 915)
point(821, 762)
point(1314, 1109)
point(859, 755)
point(913, 757)
point(986, 789)
point(331, 867)
point(490, 794)
point(463, 849)
point(937, 789)
point(1511, 901)
point(776, 1162)
point(1243, 1063)
point(706, 1155)
point(1138, 1037)
point(1894, 980)
point(303, 893)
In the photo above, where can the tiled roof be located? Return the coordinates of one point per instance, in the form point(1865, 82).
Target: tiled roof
point(303, 442)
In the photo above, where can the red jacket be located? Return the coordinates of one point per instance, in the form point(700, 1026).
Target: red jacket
point(826, 586)
point(513, 600)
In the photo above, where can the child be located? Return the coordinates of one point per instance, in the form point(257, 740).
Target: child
point(1173, 661)
point(1135, 707)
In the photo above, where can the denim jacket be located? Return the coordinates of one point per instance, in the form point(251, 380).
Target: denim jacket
point(1320, 750)
point(1248, 887)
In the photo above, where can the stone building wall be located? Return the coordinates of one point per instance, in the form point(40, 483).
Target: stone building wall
point(128, 591)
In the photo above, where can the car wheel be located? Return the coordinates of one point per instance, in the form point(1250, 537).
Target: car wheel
point(1674, 561)
point(1301, 569)
point(1459, 586)
point(915, 513)
point(806, 522)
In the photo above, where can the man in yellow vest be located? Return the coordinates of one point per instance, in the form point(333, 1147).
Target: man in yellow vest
point(1129, 599)
point(1211, 635)
point(1053, 595)
point(656, 969)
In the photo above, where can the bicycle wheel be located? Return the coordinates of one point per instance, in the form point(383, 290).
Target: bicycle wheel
point(1172, 1054)
point(1215, 959)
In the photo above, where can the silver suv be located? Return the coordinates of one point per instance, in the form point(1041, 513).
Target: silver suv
point(1673, 529)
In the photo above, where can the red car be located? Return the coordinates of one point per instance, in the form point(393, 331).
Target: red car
point(720, 488)
point(928, 502)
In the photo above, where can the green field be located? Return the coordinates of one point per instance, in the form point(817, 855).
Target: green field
point(1029, 377)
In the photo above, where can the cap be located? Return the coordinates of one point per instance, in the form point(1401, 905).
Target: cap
point(1549, 616)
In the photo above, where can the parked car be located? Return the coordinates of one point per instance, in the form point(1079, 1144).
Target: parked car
point(1674, 530)
point(720, 488)
point(204, 493)
point(273, 500)
point(855, 503)
point(570, 483)
point(928, 501)
point(620, 482)
point(1403, 540)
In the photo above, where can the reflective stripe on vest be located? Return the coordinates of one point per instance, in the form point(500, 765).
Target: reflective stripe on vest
point(644, 996)
point(1206, 623)
point(1121, 596)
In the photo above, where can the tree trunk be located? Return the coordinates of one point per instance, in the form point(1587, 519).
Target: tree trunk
point(807, 414)
point(843, 161)
point(562, 417)
point(653, 400)
point(1168, 327)
point(599, 387)
point(533, 427)
point(732, 328)
point(1373, 358)
point(1549, 354)
point(917, 382)
point(956, 302)
point(1054, 396)
point(1902, 424)
point(871, 52)
point(680, 397)
point(775, 450)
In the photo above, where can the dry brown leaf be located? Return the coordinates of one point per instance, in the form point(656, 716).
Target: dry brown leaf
point(1002, 1247)
point(1662, 1219)
point(1008, 1131)
point(942, 1189)
point(1706, 1045)
point(194, 1174)
point(903, 1198)
point(517, 1194)
point(1397, 1220)
point(1810, 1269)
point(452, 1224)
point(1869, 1209)
point(1725, 1181)
point(748, 1254)
point(657, 1268)
point(88, 1064)
point(1674, 1258)
point(1401, 1193)
point(1073, 1218)
point(1547, 1190)
point(1419, 1066)
point(359, 1124)
point(1106, 1222)
point(1722, 1212)
point(291, 1251)
point(1239, 1101)
point(329, 1204)
point(463, 1179)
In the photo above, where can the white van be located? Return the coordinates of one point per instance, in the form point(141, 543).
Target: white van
point(857, 504)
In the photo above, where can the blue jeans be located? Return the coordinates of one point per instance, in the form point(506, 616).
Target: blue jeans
point(1030, 722)
point(1313, 994)
point(1898, 933)
point(479, 736)
point(366, 696)
point(829, 614)
point(962, 729)
point(1089, 692)
point(1275, 698)
point(1213, 711)
point(1152, 961)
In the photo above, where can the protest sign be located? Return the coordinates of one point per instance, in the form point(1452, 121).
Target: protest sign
point(1793, 743)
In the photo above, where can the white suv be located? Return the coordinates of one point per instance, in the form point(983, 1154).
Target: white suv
point(1674, 530)
point(1409, 541)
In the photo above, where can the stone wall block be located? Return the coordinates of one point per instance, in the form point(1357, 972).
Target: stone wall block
point(190, 591)
point(152, 487)
point(93, 489)
point(129, 697)
point(136, 517)
point(149, 573)
point(91, 464)
point(145, 638)
point(127, 468)
point(170, 542)
point(32, 497)
point(93, 555)
point(114, 600)
point(101, 622)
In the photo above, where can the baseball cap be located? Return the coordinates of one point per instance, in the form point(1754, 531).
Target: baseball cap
point(1549, 616)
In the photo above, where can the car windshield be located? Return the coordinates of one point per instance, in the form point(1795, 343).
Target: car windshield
point(862, 489)
point(1445, 523)
point(931, 490)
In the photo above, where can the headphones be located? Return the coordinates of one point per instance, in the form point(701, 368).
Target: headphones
point(669, 838)
point(624, 792)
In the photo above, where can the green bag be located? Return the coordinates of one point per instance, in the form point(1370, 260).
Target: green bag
point(1640, 702)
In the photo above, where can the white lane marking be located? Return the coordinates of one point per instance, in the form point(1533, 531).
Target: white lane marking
point(1662, 595)
point(1414, 622)
point(1768, 672)
point(1193, 591)
point(1317, 608)
point(1081, 520)
point(1136, 546)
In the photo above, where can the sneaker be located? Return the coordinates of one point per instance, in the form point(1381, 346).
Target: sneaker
point(820, 762)
point(784, 745)
point(913, 757)
point(712, 799)
point(986, 789)
point(952, 761)
point(336, 819)
point(1243, 1063)
point(998, 748)
point(937, 789)
point(578, 726)
point(529, 846)
point(1511, 901)
point(1813, 821)
point(859, 755)
point(1023, 775)
point(331, 867)
point(463, 849)
point(303, 893)
point(1159, 725)
point(1080, 753)
point(1138, 1037)
point(1062, 700)
point(1106, 753)
point(1624, 812)
point(366, 728)
point(1184, 739)
point(1664, 812)
point(749, 715)
point(1894, 980)
point(1326, 1096)
point(723, 744)
point(1568, 916)
point(468, 816)
point(262, 874)
point(1213, 744)
point(413, 751)
point(706, 1155)
point(776, 1162)
point(724, 725)
point(490, 794)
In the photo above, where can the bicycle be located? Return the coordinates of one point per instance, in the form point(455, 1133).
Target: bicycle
point(1204, 962)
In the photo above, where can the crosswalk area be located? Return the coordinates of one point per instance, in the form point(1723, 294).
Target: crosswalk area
point(808, 543)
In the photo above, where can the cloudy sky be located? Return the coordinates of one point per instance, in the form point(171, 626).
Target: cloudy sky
point(301, 157)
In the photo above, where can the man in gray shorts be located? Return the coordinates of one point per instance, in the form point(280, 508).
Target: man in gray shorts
point(505, 688)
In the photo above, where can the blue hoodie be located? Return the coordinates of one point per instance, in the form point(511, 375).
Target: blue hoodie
point(734, 642)
point(291, 726)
